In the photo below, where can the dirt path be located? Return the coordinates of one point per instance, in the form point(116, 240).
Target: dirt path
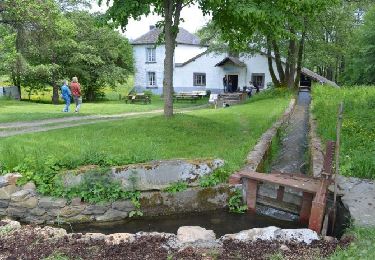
point(295, 142)
point(17, 128)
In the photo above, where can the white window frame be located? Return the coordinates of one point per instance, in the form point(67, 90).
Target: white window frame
point(198, 76)
point(151, 83)
point(150, 55)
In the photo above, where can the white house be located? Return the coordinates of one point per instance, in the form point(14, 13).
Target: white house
point(194, 67)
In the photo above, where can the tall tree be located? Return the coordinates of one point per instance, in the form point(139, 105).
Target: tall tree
point(279, 27)
point(121, 11)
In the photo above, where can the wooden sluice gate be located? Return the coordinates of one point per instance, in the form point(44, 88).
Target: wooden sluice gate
point(314, 190)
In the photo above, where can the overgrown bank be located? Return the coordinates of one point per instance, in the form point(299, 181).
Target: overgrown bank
point(357, 150)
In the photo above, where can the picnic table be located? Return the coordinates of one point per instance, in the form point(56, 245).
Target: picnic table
point(138, 97)
point(186, 96)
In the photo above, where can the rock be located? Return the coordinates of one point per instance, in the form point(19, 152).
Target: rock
point(274, 233)
point(50, 202)
point(96, 209)
point(125, 205)
point(95, 236)
point(12, 177)
point(4, 203)
point(11, 224)
point(79, 219)
point(16, 212)
point(329, 239)
point(359, 198)
point(71, 211)
point(29, 186)
point(37, 211)
point(118, 238)
point(3, 182)
point(112, 215)
point(76, 202)
point(192, 234)
point(50, 232)
point(29, 203)
point(21, 195)
point(34, 220)
point(297, 235)
point(284, 248)
point(5, 192)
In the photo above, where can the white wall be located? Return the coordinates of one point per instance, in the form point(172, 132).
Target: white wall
point(141, 67)
point(185, 52)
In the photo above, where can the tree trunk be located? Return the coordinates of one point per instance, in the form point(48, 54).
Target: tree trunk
point(172, 9)
point(292, 64)
point(279, 64)
point(275, 81)
point(55, 94)
point(299, 59)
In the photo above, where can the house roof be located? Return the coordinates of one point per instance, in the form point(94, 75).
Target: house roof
point(183, 37)
point(234, 60)
point(317, 77)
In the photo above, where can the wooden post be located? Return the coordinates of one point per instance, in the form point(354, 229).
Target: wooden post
point(304, 214)
point(251, 194)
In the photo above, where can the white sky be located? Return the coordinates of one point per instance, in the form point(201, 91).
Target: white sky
point(193, 20)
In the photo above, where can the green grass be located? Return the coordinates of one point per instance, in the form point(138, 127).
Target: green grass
point(223, 133)
point(362, 248)
point(357, 146)
point(12, 111)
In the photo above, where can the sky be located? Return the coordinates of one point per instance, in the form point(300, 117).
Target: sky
point(193, 20)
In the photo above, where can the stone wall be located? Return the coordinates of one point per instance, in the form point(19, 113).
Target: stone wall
point(24, 204)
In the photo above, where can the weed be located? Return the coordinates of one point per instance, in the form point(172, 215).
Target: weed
point(176, 187)
point(235, 202)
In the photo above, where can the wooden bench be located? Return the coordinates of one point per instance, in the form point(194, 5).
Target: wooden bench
point(185, 97)
point(314, 190)
point(139, 97)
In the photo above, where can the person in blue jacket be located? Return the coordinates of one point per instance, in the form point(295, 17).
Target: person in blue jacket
point(65, 94)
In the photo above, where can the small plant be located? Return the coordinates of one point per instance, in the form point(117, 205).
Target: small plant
point(177, 187)
point(134, 197)
point(218, 176)
point(235, 202)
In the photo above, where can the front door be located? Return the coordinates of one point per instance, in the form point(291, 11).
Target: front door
point(232, 83)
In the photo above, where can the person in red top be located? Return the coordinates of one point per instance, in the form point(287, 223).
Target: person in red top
point(75, 87)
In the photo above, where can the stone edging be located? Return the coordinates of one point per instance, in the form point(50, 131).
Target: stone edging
point(315, 147)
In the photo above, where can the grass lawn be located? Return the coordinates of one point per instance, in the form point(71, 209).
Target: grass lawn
point(363, 247)
point(27, 111)
point(224, 133)
point(357, 150)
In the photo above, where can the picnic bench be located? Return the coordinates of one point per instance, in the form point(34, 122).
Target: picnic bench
point(184, 96)
point(138, 97)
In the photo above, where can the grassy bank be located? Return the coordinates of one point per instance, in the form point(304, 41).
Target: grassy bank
point(357, 155)
point(223, 133)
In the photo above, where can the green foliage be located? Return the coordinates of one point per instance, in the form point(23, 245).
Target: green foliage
point(177, 187)
point(363, 247)
point(218, 176)
point(235, 202)
point(57, 256)
point(360, 67)
point(357, 149)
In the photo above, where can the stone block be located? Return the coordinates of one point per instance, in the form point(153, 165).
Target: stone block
point(112, 215)
point(79, 219)
point(193, 234)
point(96, 209)
point(124, 205)
point(12, 177)
point(29, 186)
point(21, 195)
point(118, 238)
point(28, 203)
point(17, 212)
point(34, 220)
point(4, 203)
point(71, 211)
point(37, 211)
point(50, 202)
point(6, 191)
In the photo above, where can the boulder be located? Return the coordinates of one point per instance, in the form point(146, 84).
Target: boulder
point(29, 186)
point(6, 191)
point(193, 234)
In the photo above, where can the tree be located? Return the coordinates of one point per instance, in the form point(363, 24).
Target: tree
point(279, 27)
point(120, 12)
point(360, 67)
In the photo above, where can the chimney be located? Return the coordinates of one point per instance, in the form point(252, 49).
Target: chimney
point(152, 27)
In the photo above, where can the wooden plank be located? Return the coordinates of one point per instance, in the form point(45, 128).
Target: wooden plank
point(296, 181)
point(251, 194)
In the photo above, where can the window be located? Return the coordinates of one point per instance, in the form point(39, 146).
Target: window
point(199, 79)
point(151, 79)
point(258, 79)
point(150, 55)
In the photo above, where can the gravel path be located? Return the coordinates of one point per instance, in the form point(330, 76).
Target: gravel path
point(17, 128)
